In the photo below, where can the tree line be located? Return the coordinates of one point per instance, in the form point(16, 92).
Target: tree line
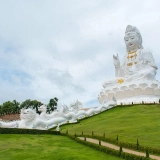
point(15, 107)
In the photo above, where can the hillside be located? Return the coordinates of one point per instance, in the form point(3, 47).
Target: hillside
point(128, 122)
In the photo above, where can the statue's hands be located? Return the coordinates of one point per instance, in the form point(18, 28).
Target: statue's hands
point(116, 60)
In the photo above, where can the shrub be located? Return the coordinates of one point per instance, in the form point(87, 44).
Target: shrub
point(104, 135)
point(147, 153)
point(117, 138)
point(137, 144)
point(120, 150)
point(26, 131)
point(126, 145)
point(108, 150)
point(92, 133)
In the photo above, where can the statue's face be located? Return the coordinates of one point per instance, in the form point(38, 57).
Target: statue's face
point(132, 41)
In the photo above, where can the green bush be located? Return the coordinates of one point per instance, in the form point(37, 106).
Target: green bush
point(104, 135)
point(117, 138)
point(26, 131)
point(137, 144)
point(147, 154)
point(120, 150)
point(92, 133)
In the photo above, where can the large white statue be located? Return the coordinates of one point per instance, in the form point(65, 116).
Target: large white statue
point(135, 76)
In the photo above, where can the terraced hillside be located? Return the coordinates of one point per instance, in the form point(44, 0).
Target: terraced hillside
point(128, 122)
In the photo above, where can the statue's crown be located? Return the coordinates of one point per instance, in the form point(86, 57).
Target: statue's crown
point(132, 29)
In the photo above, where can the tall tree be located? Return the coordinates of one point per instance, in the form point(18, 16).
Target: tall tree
point(36, 104)
point(52, 105)
point(16, 106)
point(26, 104)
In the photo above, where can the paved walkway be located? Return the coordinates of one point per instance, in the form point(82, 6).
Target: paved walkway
point(117, 148)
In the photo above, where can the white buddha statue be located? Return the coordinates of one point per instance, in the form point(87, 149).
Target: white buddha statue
point(138, 64)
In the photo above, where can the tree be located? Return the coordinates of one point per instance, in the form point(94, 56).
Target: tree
point(26, 104)
point(16, 106)
point(1, 112)
point(52, 105)
point(31, 104)
point(36, 104)
point(10, 107)
point(7, 107)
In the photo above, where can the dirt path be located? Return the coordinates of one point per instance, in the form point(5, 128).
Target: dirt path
point(117, 148)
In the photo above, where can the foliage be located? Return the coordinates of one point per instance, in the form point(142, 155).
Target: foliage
point(26, 131)
point(137, 144)
point(104, 135)
point(52, 105)
point(147, 153)
point(10, 107)
point(31, 104)
point(120, 150)
point(15, 107)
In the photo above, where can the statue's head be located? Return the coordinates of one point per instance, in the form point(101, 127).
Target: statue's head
point(27, 114)
point(133, 39)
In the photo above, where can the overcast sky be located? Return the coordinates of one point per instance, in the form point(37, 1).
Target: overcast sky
point(64, 48)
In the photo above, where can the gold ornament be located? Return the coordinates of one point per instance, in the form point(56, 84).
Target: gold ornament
point(120, 81)
point(129, 64)
point(132, 52)
point(135, 55)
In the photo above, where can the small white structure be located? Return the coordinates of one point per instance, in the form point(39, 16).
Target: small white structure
point(135, 79)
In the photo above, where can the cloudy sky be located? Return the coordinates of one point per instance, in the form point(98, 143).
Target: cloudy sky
point(64, 48)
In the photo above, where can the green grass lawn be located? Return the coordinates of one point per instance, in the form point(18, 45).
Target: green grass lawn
point(129, 123)
point(47, 147)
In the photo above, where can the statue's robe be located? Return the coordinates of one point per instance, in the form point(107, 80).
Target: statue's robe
point(135, 67)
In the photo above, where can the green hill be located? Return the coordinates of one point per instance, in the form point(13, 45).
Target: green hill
point(128, 122)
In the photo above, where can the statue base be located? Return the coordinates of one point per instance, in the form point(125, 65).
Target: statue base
point(128, 93)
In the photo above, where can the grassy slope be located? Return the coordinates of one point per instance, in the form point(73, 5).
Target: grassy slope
point(129, 123)
point(28, 147)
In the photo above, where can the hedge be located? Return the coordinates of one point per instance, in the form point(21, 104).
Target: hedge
point(26, 131)
point(107, 150)
point(124, 144)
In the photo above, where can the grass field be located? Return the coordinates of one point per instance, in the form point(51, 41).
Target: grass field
point(47, 147)
point(129, 123)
